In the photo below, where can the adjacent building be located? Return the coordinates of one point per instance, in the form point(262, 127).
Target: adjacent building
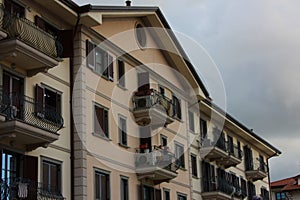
point(101, 102)
point(288, 188)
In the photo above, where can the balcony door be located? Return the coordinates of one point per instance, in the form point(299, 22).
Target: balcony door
point(13, 87)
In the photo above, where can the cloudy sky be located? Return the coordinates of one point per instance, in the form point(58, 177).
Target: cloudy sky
point(255, 45)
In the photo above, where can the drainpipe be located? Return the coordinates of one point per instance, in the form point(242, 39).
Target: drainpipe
point(71, 109)
point(189, 151)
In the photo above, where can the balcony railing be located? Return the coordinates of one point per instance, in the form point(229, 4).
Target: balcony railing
point(28, 190)
point(27, 32)
point(25, 109)
point(257, 165)
point(161, 158)
point(149, 98)
point(234, 150)
point(152, 100)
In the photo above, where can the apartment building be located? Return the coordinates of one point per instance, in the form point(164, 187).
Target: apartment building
point(288, 188)
point(34, 102)
point(101, 102)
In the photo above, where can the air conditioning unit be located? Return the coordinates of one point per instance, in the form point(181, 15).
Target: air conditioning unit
point(146, 159)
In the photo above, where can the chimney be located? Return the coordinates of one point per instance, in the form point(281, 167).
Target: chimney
point(128, 3)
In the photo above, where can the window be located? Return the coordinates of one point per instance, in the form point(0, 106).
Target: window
point(194, 165)
point(167, 194)
point(230, 144)
point(248, 158)
point(101, 120)
point(140, 35)
point(121, 73)
point(239, 149)
point(42, 24)
point(124, 188)
point(51, 177)
point(264, 193)
point(262, 165)
point(48, 103)
point(122, 131)
point(179, 154)
point(280, 196)
point(102, 185)
point(176, 107)
point(99, 60)
point(181, 196)
point(191, 121)
point(203, 128)
point(162, 90)
point(208, 177)
point(150, 193)
point(243, 186)
point(163, 140)
point(251, 190)
point(14, 8)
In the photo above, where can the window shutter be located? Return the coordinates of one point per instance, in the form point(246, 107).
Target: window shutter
point(39, 100)
point(110, 68)
point(90, 57)
point(121, 72)
point(157, 194)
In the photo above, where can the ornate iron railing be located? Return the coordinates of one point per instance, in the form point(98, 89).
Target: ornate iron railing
point(234, 150)
point(29, 33)
point(26, 109)
point(256, 165)
point(161, 158)
point(27, 189)
point(150, 99)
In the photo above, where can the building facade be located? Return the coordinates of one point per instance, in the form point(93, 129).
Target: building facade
point(101, 102)
point(35, 110)
point(288, 188)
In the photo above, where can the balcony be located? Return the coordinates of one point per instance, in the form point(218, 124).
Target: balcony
point(220, 190)
point(26, 125)
point(222, 152)
point(152, 107)
point(30, 190)
point(158, 165)
point(27, 46)
point(256, 170)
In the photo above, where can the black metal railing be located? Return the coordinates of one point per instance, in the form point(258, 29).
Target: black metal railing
point(234, 150)
point(27, 189)
point(151, 98)
point(161, 158)
point(221, 143)
point(220, 185)
point(256, 165)
point(29, 33)
point(26, 109)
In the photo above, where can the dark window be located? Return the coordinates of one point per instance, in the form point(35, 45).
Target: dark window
point(181, 197)
point(42, 24)
point(264, 193)
point(102, 185)
point(122, 131)
point(167, 195)
point(164, 140)
point(121, 73)
point(230, 144)
point(176, 107)
point(243, 187)
point(14, 8)
point(191, 121)
point(51, 177)
point(179, 154)
point(208, 177)
point(124, 189)
point(239, 149)
point(48, 103)
point(194, 165)
point(148, 193)
point(99, 60)
point(203, 128)
point(262, 165)
point(101, 121)
point(248, 158)
point(162, 90)
point(251, 190)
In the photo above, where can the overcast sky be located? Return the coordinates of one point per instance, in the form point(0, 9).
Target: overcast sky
point(256, 46)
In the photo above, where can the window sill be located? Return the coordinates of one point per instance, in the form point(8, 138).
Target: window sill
point(124, 146)
point(195, 177)
point(183, 168)
point(101, 136)
point(122, 87)
point(101, 75)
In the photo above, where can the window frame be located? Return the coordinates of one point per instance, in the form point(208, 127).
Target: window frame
point(181, 196)
point(177, 110)
point(106, 70)
point(105, 109)
point(182, 156)
point(194, 166)
point(103, 173)
point(124, 178)
point(121, 76)
point(163, 137)
point(120, 132)
point(166, 190)
point(58, 164)
point(191, 121)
